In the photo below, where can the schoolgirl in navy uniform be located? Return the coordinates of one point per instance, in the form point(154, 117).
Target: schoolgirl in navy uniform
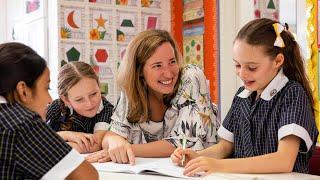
point(29, 148)
point(270, 127)
point(81, 116)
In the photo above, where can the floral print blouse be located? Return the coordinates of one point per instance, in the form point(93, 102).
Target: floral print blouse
point(192, 115)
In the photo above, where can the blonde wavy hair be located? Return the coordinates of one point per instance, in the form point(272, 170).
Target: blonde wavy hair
point(130, 79)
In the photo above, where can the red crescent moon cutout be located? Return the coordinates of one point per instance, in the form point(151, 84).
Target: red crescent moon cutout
point(71, 21)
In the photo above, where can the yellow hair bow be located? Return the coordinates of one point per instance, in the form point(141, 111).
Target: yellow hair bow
point(278, 28)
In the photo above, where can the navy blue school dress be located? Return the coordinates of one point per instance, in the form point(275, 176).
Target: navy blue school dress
point(29, 149)
point(256, 126)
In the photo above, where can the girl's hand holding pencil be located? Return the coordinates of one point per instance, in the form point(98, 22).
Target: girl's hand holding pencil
point(182, 156)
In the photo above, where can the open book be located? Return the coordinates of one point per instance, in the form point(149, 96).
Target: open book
point(158, 166)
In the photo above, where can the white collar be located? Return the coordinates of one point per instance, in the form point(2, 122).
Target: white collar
point(3, 100)
point(100, 107)
point(272, 89)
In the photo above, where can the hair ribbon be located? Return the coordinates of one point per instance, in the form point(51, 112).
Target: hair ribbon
point(278, 28)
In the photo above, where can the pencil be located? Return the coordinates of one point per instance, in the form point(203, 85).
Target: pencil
point(184, 142)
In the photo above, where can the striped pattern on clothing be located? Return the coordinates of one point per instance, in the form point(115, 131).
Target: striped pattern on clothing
point(256, 126)
point(29, 149)
point(79, 123)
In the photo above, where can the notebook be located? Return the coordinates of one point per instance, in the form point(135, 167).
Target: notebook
point(156, 166)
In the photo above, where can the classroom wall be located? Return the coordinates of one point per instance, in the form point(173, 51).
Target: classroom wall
point(3, 21)
point(53, 61)
point(233, 15)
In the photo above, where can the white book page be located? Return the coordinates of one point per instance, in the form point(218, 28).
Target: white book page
point(163, 166)
point(125, 168)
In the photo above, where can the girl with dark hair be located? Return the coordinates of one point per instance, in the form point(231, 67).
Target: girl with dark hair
point(29, 148)
point(270, 127)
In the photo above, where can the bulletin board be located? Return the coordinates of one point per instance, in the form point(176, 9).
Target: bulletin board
point(266, 9)
point(98, 32)
point(199, 36)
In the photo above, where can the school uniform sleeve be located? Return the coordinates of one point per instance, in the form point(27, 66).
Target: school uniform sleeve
point(196, 118)
point(226, 130)
point(42, 153)
point(119, 122)
point(53, 115)
point(104, 117)
point(297, 118)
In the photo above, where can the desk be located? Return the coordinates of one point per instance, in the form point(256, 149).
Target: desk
point(110, 170)
point(214, 176)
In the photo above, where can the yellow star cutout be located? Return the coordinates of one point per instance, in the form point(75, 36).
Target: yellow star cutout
point(101, 21)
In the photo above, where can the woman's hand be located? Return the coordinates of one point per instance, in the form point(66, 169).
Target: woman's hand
point(84, 140)
point(120, 150)
point(202, 164)
point(176, 156)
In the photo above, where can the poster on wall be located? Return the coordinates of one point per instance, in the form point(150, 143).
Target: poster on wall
point(150, 20)
point(101, 54)
point(266, 9)
point(34, 9)
point(71, 51)
point(193, 10)
point(193, 46)
point(72, 22)
point(126, 25)
point(100, 21)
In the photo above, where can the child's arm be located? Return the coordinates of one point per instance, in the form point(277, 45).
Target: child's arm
point(98, 136)
point(281, 161)
point(219, 151)
point(161, 148)
point(117, 149)
point(83, 140)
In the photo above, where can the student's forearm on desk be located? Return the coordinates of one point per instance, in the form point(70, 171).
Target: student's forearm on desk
point(281, 161)
point(161, 148)
point(219, 151)
point(269, 163)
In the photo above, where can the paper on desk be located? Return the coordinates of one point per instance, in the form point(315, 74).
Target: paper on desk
point(161, 166)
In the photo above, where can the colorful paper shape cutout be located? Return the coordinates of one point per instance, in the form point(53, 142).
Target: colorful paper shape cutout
point(73, 54)
point(120, 35)
point(121, 2)
point(146, 3)
point(271, 5)
point(101, 55)
point(32, 5)
point(104, 88)
point(65, 33)
point(63, 62)
point(70, 20)
point(152, 22)
point(126, 23)
point(101, 21)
